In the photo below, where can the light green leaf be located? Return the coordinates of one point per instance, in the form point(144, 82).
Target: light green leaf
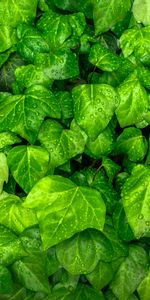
point(135, 196)
point(101, 275)
point(28, 164)
point(5, 280)
point(11, 248)
point(91, 103)
point(15, 11)
point(61, 205)
point(137, 41)
point(144, 287)
point(103, 145)
point(135, 267)
point(8, 37)
point(60, 65)
point(24, 114)
point(4, 171)
point(103, 58)
point(133, 102)
point(31, 273)
point(108, 13)
point(13, 215)
point(132, 143)
point(141, 11)
point(62, 144)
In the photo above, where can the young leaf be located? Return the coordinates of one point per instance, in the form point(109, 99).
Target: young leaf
point(60, 205)
point(28, 164)
point(141, 11)
point(91, 102)
point(135, 196)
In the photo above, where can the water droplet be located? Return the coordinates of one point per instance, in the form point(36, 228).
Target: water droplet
point(147, 223)
point(140, 217)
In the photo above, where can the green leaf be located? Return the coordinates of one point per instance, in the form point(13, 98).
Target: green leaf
point(103, 144)
point(111, 168)
point(136, 264)
point(133, 102)
point(30, 272)
point(135, 198)
point(60, 65)
point(63, 279)
point(29, 75)
point(66, 104)
point(4, 171)
point(141, 11)
point(31, 42)
point(103, 58)
point(52, 261)
point(108, 13)
point(13, 215)
point(91, 102)
point(5, 280)
point(136, 41)
point(7, 72)
point(8, 37)
point(15, 11)
point(24, 114)
point(82, 253)
point(79, 5)
point(57, 28)
point(121, 224)
point(101, 275)
point(132, 143)
point(108, 193)
point(144, 287)
point(28, 164)
point(56, 201)
point(11, 248)
point(62, 144)
point(31, 240)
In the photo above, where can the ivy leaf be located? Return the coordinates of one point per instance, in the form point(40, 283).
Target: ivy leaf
point(24, 114)
point(91, 102)
point(136, 264)
point(144, 287)
point(6, 285)
point(13, 215)
point(28, 164)
point(11, 248)
point(106, 14)
point(135, 198)
point(133, 102)
point(4, 171)
point(132, 143)
point(62, 144)
point(141, 11)
point(30, 272)
point(56, 201)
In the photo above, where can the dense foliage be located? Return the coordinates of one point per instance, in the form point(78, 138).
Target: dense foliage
point(74, 149)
